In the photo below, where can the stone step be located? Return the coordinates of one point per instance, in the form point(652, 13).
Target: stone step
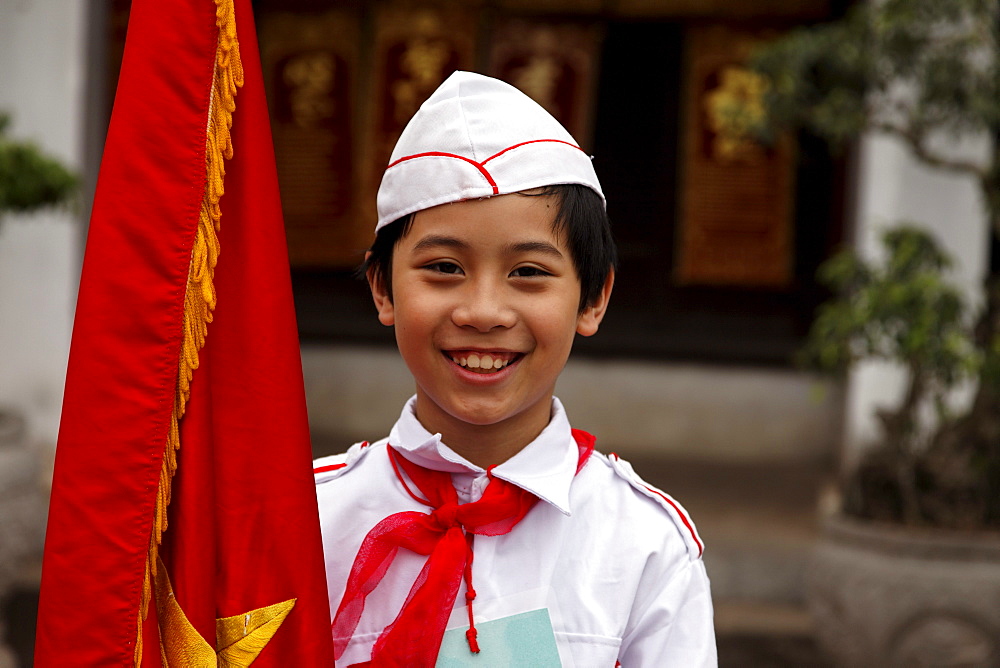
point(758, 520)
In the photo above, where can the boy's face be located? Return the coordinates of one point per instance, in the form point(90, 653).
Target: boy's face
point(486, 283)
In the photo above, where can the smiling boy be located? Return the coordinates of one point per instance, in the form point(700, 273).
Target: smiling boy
point(486, 530)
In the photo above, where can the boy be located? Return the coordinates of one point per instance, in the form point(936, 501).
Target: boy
point(516, 544)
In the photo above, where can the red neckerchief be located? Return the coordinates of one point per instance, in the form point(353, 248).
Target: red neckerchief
point(445, 535)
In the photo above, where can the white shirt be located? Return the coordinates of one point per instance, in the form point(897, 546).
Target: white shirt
point(615, 563)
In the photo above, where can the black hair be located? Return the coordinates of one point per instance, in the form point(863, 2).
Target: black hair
point(581, 218)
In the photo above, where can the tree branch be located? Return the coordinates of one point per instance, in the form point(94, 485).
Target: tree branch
point(914, 140)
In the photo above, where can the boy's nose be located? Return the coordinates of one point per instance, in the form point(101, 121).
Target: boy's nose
point(483, 307)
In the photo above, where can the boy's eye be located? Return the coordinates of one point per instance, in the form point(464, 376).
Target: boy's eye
point(528, 272)
point(444, 267)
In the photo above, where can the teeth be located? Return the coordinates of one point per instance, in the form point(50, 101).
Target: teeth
point(484, 362)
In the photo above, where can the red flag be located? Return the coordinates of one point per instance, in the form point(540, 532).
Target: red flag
point(218, 469)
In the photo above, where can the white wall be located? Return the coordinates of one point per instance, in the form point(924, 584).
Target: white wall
point(892, 186)
point(42, 73)
point(708, 413)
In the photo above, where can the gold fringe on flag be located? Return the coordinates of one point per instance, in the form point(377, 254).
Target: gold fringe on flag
point(199, 301)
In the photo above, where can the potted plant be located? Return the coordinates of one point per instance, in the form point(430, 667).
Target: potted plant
point(29, 179)
point(908, 572)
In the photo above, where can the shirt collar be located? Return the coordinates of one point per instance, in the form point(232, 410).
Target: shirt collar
point(545, 467)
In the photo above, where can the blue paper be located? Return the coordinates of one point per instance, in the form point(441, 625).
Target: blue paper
point(519, 640)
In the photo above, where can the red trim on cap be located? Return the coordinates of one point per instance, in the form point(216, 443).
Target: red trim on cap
point(331, 467)
point(441, 154)
point(683, 517)
point(481, 166)
point(533, 141)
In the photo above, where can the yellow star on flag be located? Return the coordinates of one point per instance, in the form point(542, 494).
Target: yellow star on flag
point(239, 638)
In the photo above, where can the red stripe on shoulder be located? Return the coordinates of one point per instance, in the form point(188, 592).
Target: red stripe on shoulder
point(338, 466)
point(331, 467)
point(701, 548)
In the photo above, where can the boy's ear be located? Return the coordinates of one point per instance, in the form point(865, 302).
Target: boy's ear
point(383, 303)
point(590, 318)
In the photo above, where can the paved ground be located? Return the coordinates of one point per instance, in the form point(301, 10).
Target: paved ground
point(769, 652)
point(758, 523)
point(19, 610)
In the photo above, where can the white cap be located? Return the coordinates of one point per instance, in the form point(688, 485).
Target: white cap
point(478, 137)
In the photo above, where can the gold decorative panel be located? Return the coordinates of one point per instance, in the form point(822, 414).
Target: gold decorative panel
point(555, 64)
point(416, 47)
point(735, 223)
point(311, 73)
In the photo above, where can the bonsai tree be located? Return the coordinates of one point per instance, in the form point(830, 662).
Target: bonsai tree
point(923, 71)
point(29, 179)
point(902, 310)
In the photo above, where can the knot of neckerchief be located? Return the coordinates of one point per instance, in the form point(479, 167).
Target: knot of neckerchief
point(445, 536)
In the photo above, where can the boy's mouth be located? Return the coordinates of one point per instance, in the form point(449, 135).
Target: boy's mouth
point(482, 362)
